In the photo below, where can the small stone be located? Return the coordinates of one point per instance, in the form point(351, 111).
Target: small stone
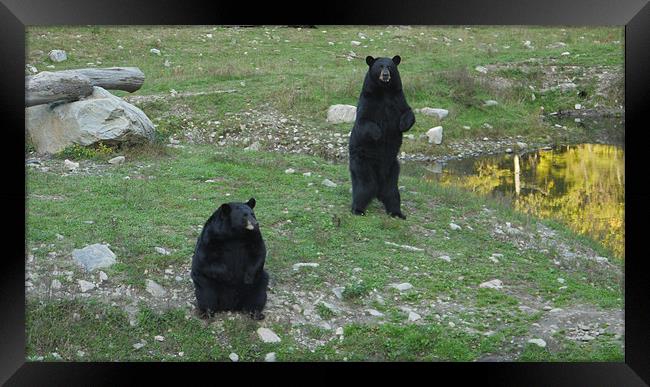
point(402, 287)
point(435, 135)
point(70, 165)
point(578, 106)
point(306, 264)
point(414, 316)
point(307, 174)
point(270, 357)
point(155, 51)
point(267, 335)
point(508, 150)
point(454, 226)
point(538, 342)
point(560, 280)
point(445, 258)
point(57, 56)
point(138, 345)
point(546, 307)
point(338, 292)
point(234, 357)
point(492, 284)
point(355, 43)
point(490, 102)
point(451, 324)
point(427, 111)
point(162, 251)
point(339, 331)
point(85, 285)
point(481, 69)
point(56, 284)
point(154, 289)
point(375, 313)
point(329, 183)
point(555, 310)
point(521, 145)
point(159, 338)
point(94, 256)
point(289, 170)
point(102, 276)
point(117, 160)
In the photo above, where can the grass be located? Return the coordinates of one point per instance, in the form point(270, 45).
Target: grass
point(167, 206)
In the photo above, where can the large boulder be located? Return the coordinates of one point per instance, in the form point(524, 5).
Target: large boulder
point(337, 114)
point(99, 117)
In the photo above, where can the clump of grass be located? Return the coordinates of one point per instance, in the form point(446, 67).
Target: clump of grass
point(324, 312)
point(78, 152)
point(355, 291)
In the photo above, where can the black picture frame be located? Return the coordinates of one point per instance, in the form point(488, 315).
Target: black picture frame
point(634, 15)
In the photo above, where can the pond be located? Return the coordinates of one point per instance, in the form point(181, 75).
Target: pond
point(582, 186)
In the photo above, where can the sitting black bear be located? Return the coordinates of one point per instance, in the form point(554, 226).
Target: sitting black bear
point(228, 262)
point(382, 116)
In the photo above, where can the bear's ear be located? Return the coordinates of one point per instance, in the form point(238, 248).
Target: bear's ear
point(370, 60)
point(225, 209)
point(397, 59)
point(251, 203)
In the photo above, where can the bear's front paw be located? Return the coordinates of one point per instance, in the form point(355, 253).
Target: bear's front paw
point(398, 215)
point(358, 212)
point(406, 121)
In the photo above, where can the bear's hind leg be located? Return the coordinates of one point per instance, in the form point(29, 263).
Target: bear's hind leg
point(364, 188)
point(254, 298)
point(389, 194)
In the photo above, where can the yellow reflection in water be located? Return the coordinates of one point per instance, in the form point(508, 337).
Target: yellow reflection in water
point(583, 186)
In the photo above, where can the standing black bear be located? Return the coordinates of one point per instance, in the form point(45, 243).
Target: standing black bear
point(382, 116)
point(228, 262)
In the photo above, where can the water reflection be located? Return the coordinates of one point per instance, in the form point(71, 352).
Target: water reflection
point(583, 186)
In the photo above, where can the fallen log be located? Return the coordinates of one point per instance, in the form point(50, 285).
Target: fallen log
point(113, 78)
point(48, 87)
point(72, 85)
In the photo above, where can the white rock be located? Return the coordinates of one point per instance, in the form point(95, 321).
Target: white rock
point(56, 284)
point(560, 280)
point(435, 135)
point(454, 226)
point(445, 258)
point(117, 160)
point(70, 165)
point(341, 113)
point(329, 183)
point(270, 357)
point(57, 56)
point(255, 146)
point(405, 247)
point(355, 43)
point(427, 111)
point(481, 69)
point(289, 170)
point(492, 284)
point(567, 86)
point(233, 356)
point(402, 287)
point(154, 289)
point(267, 335)
point(578, 106)
point(100, 117)
point(508, 150)
point(85, 285)
point(375, 313)
point(102, 276)
point(490, 102)
point(94, 256)
point(538, 342)
point(155, 51)
point(162, 251)
point(159, 338)
point(304, 264)
point(138, 345)
point(307, 174)
point(31, 68)
point(521, 145)
point(338, 292)
point(414, 316)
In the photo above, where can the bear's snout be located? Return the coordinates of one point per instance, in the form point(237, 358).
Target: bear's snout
point(251, 224)
point(384, 75)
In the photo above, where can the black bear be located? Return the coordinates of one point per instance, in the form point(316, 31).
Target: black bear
point(382, 116)
point(228, 262)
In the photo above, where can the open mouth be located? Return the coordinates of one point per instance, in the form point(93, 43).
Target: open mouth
point(385, 79)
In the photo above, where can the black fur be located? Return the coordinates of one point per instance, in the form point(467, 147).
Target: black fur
point(228, 262)
point(382, 116)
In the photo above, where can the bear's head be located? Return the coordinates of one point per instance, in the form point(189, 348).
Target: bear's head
point(383, 71)
point(239, 216)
